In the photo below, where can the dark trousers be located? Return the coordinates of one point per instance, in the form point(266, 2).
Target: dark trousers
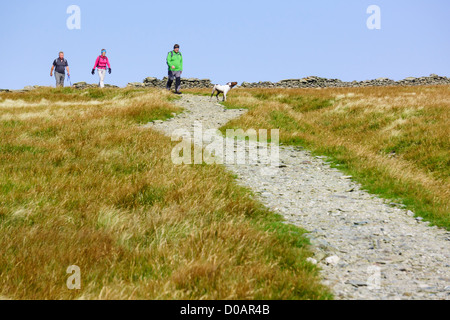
point(174, 75)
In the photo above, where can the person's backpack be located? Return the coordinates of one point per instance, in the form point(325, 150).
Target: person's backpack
point(171, 52)
point(56, 62)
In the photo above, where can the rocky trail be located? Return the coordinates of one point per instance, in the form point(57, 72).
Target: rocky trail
point(366, 247)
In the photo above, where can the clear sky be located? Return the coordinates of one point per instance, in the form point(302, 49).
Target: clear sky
point(225, 40)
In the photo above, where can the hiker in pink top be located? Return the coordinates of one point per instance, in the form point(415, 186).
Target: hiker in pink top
point(101, 63)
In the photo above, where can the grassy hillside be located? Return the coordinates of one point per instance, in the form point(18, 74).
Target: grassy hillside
point(81, 184)
point(393, 140)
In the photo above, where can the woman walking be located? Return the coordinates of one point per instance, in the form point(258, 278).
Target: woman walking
point(101, 63)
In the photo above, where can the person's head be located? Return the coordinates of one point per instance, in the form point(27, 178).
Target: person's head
point(176, 48)
point(61, 55)
point(103, 52)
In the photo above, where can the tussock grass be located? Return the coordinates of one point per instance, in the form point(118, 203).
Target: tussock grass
point(394, 140)
point(84, 185)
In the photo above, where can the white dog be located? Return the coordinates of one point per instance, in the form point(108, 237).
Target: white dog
point(223, 89)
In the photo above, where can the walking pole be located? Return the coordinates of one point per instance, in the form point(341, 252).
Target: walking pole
point(68, 79)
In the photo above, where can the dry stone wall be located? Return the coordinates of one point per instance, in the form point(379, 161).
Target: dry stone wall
point(308, 82)
point(317, 82)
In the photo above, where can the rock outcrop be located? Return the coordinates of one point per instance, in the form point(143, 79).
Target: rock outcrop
point(84, 85)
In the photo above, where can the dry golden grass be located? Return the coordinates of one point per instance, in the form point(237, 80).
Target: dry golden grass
point(81, 184)
point(394, 140)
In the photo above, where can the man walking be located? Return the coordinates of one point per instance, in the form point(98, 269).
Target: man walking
point(60, 64)
point(175, 64)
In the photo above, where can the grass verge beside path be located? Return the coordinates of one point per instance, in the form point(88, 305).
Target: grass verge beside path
point(81, 184)
point(393, 140)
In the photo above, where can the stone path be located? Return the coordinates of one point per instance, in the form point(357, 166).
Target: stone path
point(366, 247)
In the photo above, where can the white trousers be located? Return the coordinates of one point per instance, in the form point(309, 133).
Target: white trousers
point(101, 75)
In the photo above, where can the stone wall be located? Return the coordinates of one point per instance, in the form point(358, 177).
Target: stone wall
point(317, 82)
point(152, 82)
point(309, 82)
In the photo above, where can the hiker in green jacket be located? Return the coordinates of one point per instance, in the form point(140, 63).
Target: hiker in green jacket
point(175, 64)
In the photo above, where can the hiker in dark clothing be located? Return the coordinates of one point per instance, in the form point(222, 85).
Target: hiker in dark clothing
point(60, 65)
point(175, 64)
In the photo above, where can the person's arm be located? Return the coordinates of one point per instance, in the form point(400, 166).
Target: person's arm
point(170, 61)
point(182, 64)
point(109, 65)
point(67, 67)
point(53, 68)
point(95, 66)
point(96, 63)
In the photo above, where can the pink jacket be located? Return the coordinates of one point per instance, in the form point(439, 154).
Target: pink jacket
point(102, 62)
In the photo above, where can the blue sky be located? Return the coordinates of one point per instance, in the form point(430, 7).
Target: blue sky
point(225, 41)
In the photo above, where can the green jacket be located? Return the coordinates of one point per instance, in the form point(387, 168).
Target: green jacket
point(175, 59)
